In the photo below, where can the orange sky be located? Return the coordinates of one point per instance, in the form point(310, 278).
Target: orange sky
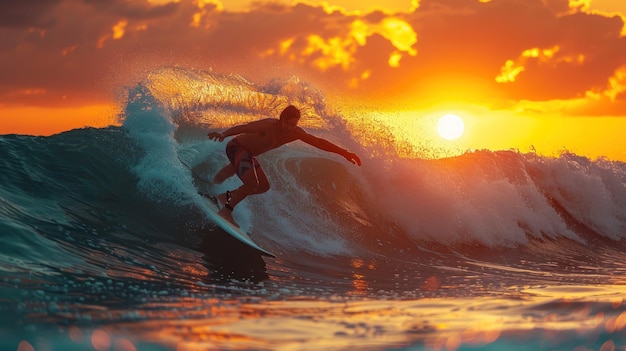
point(546, 73)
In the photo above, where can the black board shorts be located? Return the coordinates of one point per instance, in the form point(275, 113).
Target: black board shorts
point(241, 159)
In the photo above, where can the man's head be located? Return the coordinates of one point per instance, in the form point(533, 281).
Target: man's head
point(290, 112)
point(289, 118)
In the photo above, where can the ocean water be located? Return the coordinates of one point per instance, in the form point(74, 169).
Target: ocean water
point(106, 244)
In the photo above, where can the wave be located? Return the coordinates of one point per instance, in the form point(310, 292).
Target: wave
point(141, 181)
point(501, 198)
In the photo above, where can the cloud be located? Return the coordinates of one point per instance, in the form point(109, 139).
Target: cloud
point(24, 14)
point(133, 9)
point(582, 52)
point(513, 49)
point(487, 52)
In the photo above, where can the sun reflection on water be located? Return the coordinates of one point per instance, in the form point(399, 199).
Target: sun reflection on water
point(554, 314)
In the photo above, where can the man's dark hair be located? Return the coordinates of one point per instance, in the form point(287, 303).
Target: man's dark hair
point(290, 112)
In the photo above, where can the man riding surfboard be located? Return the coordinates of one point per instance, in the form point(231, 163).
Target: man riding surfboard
point(254, 138)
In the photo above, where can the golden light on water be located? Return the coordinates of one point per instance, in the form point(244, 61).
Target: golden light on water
point(100, 340)
point(25, 346)
point(249, 323)
point(300, 322)
point(359, 281)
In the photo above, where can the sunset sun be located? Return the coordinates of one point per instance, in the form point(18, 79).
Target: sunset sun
point(450, 127)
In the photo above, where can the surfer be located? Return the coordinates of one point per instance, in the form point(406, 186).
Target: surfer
point(254, 138)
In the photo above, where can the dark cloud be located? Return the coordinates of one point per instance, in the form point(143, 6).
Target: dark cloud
point(133, 9)
point(26, 13)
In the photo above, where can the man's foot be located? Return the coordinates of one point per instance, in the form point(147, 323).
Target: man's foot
point(222, 199)
point(225, 197)
point(228, 215)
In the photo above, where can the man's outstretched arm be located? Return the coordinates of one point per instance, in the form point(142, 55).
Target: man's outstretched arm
point(326, 145)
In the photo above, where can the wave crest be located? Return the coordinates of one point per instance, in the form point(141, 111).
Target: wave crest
point(195, 97)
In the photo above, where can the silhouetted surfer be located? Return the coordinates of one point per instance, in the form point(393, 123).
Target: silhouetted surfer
point(255, 138)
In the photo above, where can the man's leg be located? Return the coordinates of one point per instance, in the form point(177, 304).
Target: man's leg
point(224, 173)
point(254, 182)
point(250, 184)
point(264, 184)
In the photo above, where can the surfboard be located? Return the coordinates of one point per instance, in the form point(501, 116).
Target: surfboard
point(229, 228)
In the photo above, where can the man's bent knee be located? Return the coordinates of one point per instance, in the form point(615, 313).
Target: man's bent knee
point(262, 188)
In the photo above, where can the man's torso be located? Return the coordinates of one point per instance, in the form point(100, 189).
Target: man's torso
point(270, 138)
